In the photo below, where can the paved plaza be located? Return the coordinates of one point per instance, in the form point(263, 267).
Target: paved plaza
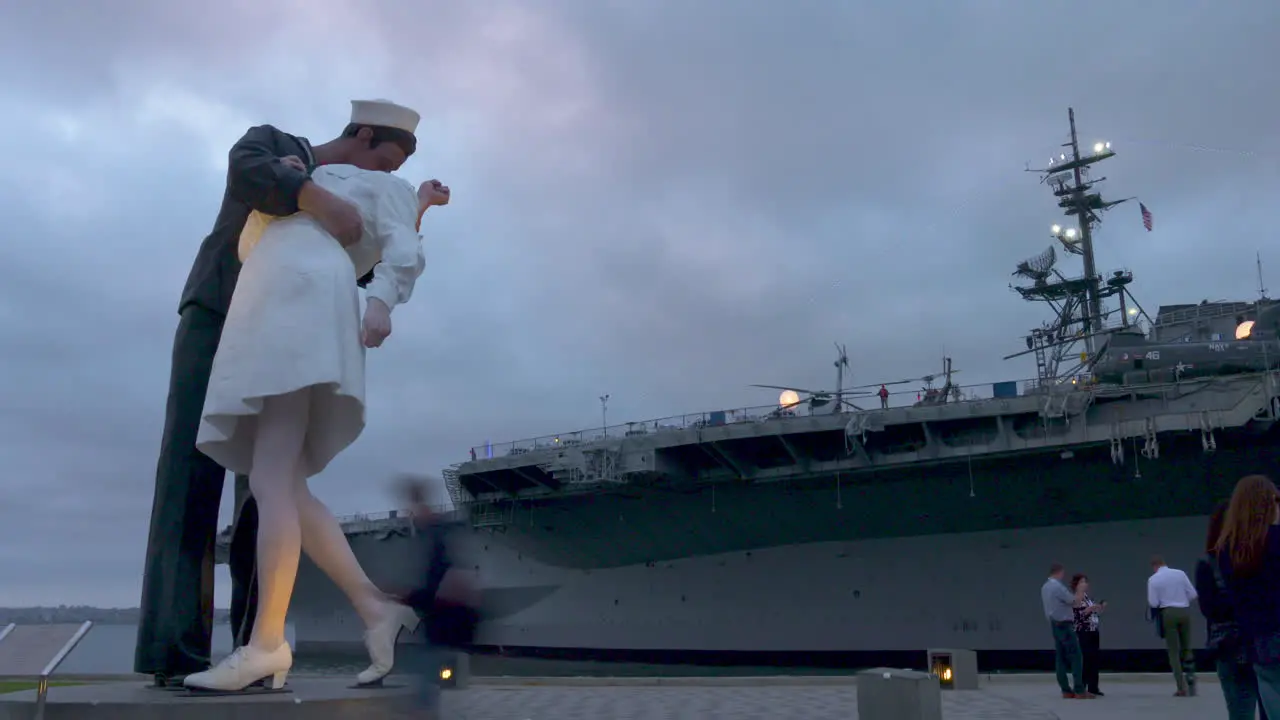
point(787, 698)
point(1024, 699)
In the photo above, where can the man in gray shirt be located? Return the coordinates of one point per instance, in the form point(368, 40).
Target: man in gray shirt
point(1058, 610)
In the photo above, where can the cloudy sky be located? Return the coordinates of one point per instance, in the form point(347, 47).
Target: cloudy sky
point(663, 200)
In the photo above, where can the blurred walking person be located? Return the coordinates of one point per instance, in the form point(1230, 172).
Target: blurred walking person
point(1234, 657)
point(445, 596)
point(1248, 552)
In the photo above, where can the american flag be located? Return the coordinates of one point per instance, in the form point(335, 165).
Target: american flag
point(1146, 216)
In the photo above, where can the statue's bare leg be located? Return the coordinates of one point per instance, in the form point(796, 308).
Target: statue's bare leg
point(324, 542)
point(279, 436)
point(277, 451)
point(327, 546)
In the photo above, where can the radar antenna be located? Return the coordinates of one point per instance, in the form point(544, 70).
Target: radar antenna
point(1077, 302)
point(1038, 268)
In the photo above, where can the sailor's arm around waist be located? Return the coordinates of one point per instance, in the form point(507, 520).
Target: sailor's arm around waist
point(257, 177)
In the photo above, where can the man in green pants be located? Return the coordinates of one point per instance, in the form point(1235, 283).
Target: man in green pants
point(1170, 594)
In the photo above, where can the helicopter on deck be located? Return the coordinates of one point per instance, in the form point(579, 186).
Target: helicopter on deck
point(1129, 358)
point(793, 398)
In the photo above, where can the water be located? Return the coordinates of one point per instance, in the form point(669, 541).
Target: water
point(108, 649)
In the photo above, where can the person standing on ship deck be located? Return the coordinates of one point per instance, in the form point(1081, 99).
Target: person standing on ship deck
point(1170, 593)
point(1058, 610)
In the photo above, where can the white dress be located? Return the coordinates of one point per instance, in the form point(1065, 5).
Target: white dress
point(295, 317)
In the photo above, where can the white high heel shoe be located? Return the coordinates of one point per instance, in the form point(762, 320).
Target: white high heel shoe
point(380, 641)
point(244, 667)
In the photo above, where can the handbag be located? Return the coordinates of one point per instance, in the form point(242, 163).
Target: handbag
point(1224, 637)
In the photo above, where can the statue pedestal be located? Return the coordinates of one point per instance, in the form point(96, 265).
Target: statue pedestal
point(312, 698)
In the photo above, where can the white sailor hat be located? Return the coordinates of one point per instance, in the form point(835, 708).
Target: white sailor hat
point(384, 113)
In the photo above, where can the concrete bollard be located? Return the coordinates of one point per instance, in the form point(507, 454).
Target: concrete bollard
point(956, 669)
point(887, 694)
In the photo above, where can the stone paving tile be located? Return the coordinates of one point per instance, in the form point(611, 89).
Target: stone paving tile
point(1015, 701)
point(1124, 701)
point(704, 703)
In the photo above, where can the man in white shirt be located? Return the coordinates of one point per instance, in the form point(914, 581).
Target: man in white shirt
point(1170, 594)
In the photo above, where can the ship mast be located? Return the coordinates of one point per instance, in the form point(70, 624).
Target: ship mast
point(1077, 302)
point(1077, 203)
point(842, 362)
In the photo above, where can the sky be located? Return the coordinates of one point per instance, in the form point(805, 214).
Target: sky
point(665, 201)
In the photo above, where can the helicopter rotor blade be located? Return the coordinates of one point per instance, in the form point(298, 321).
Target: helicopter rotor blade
point(876, 385)
point(787, 387)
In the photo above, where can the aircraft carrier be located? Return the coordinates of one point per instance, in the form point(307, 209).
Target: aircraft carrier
point(817, 531)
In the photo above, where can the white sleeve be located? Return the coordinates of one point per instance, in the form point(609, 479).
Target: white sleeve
point(394, 221)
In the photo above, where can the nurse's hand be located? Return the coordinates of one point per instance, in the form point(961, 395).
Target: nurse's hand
point(377, 323)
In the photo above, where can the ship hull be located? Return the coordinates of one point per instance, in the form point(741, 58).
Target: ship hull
point(962, 567)
point(804, 604)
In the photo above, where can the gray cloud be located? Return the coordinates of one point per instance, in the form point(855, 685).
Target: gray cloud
point(663, 201)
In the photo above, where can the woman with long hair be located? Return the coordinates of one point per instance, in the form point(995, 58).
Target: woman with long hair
point(1086, 614)
point(1248, 552)
point(1234, 657)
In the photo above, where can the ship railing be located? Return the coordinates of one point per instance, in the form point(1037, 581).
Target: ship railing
point(629, 430)
point(1202, 312)
point(457, 494)
point(365, 522)
point(977, 392)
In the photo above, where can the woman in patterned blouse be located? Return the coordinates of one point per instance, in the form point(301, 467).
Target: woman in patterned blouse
point(1086, 612)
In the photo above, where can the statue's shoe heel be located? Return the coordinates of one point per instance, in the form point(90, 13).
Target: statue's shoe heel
point(380, 641)
point(276, 681)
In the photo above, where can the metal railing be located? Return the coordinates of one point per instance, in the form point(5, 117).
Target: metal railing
point(1209, 311)
point(364, 522)
point(757, 413)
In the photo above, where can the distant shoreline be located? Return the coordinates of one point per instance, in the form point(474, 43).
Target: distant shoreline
point(81, 613)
